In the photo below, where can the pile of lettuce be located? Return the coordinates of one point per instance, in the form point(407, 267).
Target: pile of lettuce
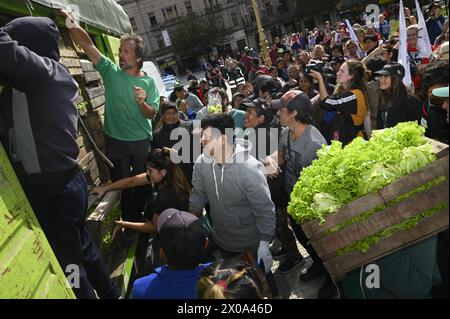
point(340, 175)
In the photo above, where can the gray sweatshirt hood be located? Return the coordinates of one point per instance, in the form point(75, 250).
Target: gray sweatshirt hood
point(242, 211)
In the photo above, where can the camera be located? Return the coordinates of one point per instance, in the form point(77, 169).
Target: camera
point(314, 66)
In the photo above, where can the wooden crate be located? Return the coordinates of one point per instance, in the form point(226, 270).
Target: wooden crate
point(327, 243)
point(95, 222)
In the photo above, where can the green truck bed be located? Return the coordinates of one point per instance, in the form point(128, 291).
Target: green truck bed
point(28, 267)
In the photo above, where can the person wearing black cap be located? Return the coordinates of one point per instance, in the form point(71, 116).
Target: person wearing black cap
point(182, 242)
point(298, 147)
point(170, 121)
point(37, 107)
point(399, 104)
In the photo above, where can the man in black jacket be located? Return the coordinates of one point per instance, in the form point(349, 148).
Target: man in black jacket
point(37, 107)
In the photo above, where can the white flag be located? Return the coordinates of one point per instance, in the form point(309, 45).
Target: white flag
point(360, 53)
point(423, 42)
point(403, 58)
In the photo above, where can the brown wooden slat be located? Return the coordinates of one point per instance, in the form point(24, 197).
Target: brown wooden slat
point(105, 205)
point(101, 110)
point(82, 153)
point(86, 65)
point(92, 76)
point(80, 141)
point(441, 149)
point(97, 102)
point(314, 230)
point(94, 92)
point(340, 265)
point(70, 61)
point(416, 179)
point(75, 71)
point(393, 215)
point(87, 159)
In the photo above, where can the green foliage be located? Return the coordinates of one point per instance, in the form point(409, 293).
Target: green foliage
point(109, 224)
point(82, 105)
point(361, 167)
point(195, 35)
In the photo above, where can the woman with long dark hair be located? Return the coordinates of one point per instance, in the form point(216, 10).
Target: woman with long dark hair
point(347, 106)
point(171, 189)
point(399, 104)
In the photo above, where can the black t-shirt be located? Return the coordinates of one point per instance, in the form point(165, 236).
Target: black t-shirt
point(163, 198)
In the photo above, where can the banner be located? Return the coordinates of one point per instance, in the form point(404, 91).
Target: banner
point(423, 42)
point(403, 58)
point(361, 54)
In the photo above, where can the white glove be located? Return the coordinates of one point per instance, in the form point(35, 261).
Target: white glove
point(264, 255)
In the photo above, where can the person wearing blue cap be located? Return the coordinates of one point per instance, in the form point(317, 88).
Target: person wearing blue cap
point(182, 240)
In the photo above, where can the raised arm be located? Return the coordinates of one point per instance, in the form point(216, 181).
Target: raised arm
point(81, 37)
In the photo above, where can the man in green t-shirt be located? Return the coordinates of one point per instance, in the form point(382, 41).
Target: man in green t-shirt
point(132, 100)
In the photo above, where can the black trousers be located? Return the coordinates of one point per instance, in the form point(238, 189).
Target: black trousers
point(303, 240)
point(129, 159)
point(61, 212)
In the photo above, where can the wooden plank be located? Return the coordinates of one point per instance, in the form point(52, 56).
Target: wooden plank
point(97, 102)
point(100, 111)
point(75, 71)
point(82, 152)
point(328, 245)
point(82, 111)
point(104, 207)
point(440, 149)
point(86, 65)
point(416, 179)
point(71, 61)
point(94, 92)
point(92, 76)
point(312, 229)
point(340, 265)
point(86, 159)
point(80, 141)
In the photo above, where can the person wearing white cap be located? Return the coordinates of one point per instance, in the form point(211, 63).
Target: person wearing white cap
point(441, 53)
point(442, 93)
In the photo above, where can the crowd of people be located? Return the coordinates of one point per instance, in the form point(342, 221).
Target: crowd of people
point(215, 218)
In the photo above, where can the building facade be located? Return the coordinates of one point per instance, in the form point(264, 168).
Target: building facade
point(155, 19)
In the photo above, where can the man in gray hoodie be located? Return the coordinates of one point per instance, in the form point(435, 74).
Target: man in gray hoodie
point(234, 184)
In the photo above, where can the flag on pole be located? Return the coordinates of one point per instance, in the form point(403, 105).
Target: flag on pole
point(423, 41)
point(403, 58)
point(361, 54)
